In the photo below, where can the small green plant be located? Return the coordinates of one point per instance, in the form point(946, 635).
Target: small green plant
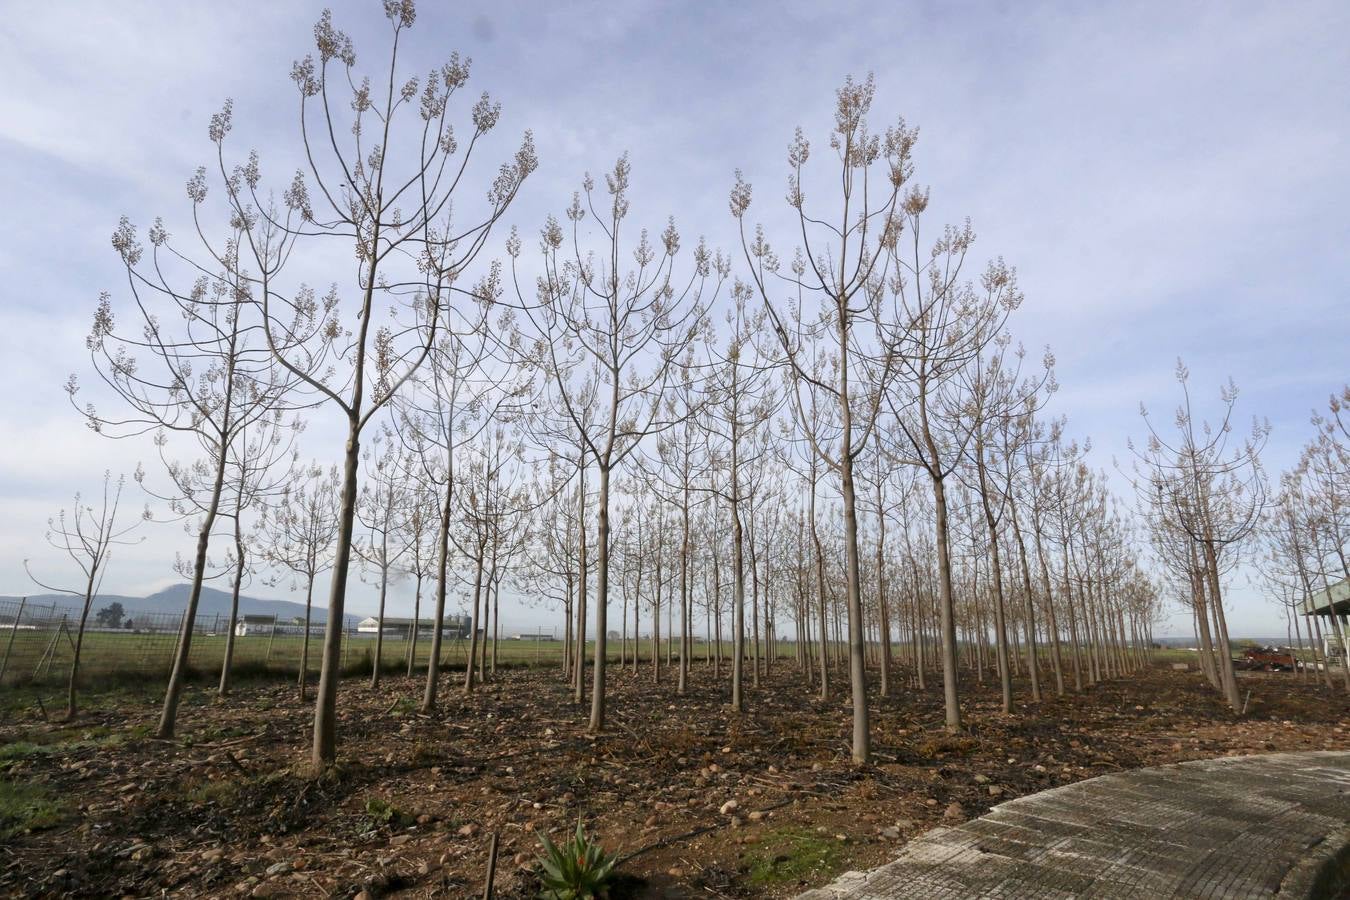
point(382, 812)
point(792, 856)
point(576, 870)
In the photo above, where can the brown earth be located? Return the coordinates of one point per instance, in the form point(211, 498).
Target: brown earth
point(227, 809)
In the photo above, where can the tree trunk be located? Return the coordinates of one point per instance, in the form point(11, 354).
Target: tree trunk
point(72, 684)
point(379, 635)
point(325, 704)
point(416, 622)
point(474, 620)
point(442, 573)
point(169, 713)
point(226, 664)
point(946, 613)
point(597, 722)
point(304, 643)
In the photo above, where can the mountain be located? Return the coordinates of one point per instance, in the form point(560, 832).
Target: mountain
point(173, 600)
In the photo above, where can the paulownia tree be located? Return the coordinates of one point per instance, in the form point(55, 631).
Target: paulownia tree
point(299, 534)
point(385, 168)
point(87, 535)
point(1206, 485)
point(262, 463)
point(195, 365)
point(382, 509)
point(741, 402)
point(841, 267)
point(631, 321)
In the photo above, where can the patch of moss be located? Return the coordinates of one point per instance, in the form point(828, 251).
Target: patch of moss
point(27, 807)
point(220, 792)
point(792, 855)
point(960, 746)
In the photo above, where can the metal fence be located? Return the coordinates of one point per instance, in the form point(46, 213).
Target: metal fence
point(37, 645)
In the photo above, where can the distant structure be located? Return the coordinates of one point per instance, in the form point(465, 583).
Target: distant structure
point(257, 623)
point(247, 624)
point(1333, 603)
point(400, 628)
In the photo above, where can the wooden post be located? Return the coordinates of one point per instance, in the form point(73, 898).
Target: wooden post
point(4, 663)
point(491, 868)
point(270, 638)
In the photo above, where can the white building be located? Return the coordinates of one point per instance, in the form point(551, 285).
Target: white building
point(401, 628)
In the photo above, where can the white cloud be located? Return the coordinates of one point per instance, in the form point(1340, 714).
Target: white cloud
point(1169, 178)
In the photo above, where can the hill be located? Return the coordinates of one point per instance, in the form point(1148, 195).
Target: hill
point(173, 600)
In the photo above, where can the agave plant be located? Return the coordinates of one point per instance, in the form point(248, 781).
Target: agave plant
point(576, 870)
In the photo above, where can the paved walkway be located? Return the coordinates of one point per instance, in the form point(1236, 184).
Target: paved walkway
point(1276, 825)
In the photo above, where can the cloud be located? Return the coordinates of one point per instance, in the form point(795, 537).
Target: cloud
point(1168, 178)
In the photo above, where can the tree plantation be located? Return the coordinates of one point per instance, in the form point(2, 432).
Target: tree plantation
point(829, 559)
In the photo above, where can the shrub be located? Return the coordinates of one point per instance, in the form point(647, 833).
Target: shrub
point(576, 870)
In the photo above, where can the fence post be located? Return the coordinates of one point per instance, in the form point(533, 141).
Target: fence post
point(272, 637)
point(182, 629)
point(4, 663)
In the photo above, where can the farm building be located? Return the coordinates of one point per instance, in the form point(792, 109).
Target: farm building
point(395, 627)
point(1333, 605)
point(254, 624)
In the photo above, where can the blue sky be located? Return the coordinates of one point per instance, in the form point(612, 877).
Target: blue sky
point(1170, 179)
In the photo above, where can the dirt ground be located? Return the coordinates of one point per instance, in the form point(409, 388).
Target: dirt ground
point(227, 810)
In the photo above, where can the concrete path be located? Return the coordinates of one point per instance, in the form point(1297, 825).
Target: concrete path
point(1276, 825)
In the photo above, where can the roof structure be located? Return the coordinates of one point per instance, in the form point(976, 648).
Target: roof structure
point(1323, 602)
point(401, 622)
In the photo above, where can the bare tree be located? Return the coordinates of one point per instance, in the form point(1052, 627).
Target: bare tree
point(741, 404)
point(943, 326)
point(417, 532)
point(841, 265)
point(87, 536)
point(677, 477)
point(261, 464)
point(196, 366)
point(299, 535)
point(590, 308)
point(454, 399)
point(387, 166)
point(1211, 490)
point(382, 509)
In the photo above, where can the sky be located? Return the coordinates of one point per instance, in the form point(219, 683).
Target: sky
point(1169, 179)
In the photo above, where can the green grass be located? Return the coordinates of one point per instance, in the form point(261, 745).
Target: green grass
point(791, 855)
point(133, 660)
point(42, 743)
point(19, 751)
point(28, 807)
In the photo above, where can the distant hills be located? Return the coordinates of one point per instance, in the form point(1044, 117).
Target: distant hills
point(173, 600)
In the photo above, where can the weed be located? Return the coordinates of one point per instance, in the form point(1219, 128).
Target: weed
point(220, 792)
point(27, 807)
point(382, 812)
point(792, 855)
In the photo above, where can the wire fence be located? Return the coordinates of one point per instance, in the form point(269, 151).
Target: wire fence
point(38, 645)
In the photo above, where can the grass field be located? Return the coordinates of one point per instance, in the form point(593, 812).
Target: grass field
point(36, 658)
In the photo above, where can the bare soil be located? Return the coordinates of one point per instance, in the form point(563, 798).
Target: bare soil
point(228, 808)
